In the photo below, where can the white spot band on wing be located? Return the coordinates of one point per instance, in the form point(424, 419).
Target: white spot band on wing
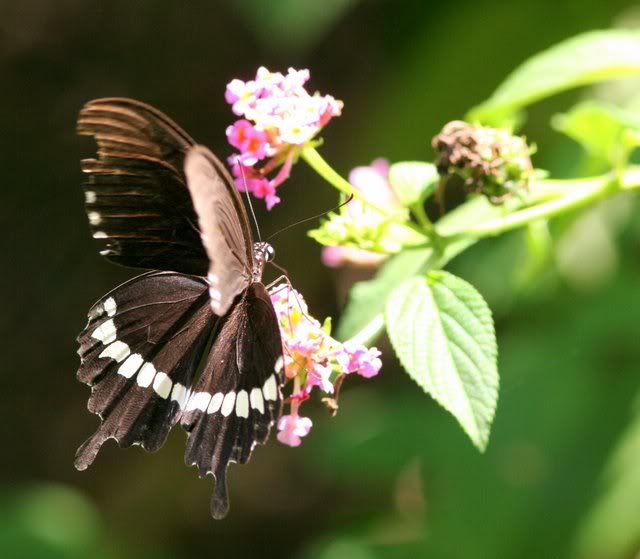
point(117, 350)
point(227, 404)
point(179, 394)
point(162, 385)
point(216, 402)
point(199, 401)
point(270, 388)
point(110, 306)
point(146, 374)
point(130, 365)
point(242, 404)
point(257, 403)
point(106, 332)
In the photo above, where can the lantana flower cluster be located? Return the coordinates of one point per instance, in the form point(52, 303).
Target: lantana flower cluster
point(313, 359)
point(278, 116)
point(359, 234)
point(359, 220)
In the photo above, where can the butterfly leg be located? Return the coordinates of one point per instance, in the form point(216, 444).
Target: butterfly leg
point(278, 280)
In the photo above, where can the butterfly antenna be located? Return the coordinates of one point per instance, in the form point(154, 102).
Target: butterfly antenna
point(312, 217)
point(246, 191)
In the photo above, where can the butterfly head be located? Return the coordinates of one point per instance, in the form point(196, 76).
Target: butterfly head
point(262, 253)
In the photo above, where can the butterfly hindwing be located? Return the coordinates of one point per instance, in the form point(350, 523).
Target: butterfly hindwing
point(139, 353)
point(237, 398)
point(136, 196)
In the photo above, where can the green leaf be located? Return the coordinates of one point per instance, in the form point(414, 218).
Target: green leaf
point(413, 181)
point(611, 529)
point(539, 245)
point(582, 60)
point(442, 330)
point(601, 129)
point(364, 313)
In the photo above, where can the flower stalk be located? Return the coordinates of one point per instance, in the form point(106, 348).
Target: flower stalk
point(556, 197)
point(320, 166)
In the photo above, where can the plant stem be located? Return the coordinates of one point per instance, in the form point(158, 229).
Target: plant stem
point(421, 215)
point(567, 203)
point(320, 166)
point(556, 197)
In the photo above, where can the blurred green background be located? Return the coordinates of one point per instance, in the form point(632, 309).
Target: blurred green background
point(392, 475)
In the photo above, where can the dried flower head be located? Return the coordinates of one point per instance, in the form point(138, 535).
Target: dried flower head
point(491, 161)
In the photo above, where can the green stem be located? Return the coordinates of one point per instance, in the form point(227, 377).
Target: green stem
point(370, 332)
point(555, 197)
point(421, 215)
point(320, 166)
point(546, 210)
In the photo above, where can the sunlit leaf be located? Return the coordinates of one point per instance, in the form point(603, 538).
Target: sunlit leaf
point(364, 312)
point(585, 59)
point(539, 246)
point(612, 527)
point(601, 129)
point(363, 315)
point(413, 181)
point(442, 330)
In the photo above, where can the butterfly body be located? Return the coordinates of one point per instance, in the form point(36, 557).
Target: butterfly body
point(196, 340)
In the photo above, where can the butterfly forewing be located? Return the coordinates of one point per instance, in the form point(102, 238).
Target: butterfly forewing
point(224, 227)
point(139, 353)
point(135, 191)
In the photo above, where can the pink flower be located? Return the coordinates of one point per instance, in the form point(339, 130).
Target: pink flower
point(336, 257)
point(265, 189)
point(359, 359)
point(280, 117)
point(240, 95)
point(320, 375)
point(312, 358)
point(292, 427)
point(248, 179)
point(252, 143)
point(372, 181)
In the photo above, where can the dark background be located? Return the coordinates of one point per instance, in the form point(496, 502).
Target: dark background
point(392, 474)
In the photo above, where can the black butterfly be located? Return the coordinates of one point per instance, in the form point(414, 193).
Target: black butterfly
point(197, 340)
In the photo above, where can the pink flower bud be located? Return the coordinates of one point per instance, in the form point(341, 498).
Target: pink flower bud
point(292, 427)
